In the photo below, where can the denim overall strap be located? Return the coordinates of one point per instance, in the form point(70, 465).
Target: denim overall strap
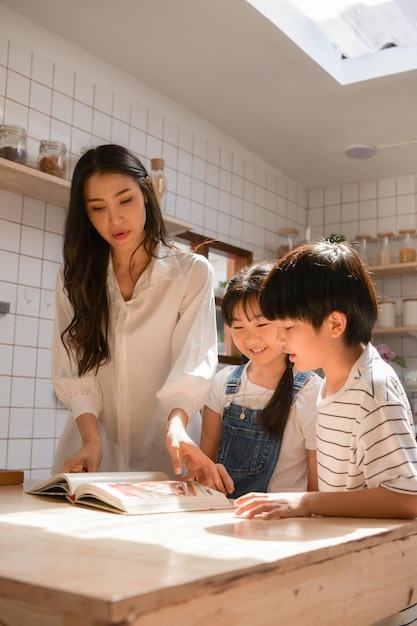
point(248, 453)
point(233, 383)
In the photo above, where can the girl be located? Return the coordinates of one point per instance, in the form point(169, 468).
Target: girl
point(260, 420)
point(134, 341)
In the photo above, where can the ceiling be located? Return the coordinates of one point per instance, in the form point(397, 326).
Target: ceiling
point(225, 62)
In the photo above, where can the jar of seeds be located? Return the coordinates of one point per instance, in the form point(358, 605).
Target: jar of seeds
point(13, 143)
point(52, 158)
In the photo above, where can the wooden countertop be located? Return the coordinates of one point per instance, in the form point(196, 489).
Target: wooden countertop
point(62, 564)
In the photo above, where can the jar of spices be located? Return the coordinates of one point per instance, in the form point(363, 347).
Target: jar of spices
point(13, 144)
point(52, 158)
point(385, 255)
point(407, 250)
point(158, 178)
point(363, 247)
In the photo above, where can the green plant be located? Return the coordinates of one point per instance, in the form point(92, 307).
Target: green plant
point(334, 238)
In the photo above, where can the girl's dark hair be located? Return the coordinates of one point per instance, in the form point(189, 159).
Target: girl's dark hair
point(244, 289)
point(86, 253)
point(311, 281)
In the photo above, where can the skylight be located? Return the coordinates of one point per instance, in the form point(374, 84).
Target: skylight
point(352, 41)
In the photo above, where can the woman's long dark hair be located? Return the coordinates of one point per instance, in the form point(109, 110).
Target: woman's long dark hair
point(244, 290)
point(86, 254)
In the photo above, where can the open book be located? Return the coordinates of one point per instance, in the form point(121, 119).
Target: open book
point(132, 493)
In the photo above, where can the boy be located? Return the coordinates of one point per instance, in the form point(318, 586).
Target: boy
point(326, 305)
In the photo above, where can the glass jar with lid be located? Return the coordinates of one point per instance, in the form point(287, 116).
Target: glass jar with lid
point(52, 158)
point(363, 247)
point(289, 234)
point(408, 249)
point(385, 254)
point(13, 143)
point(159, 182)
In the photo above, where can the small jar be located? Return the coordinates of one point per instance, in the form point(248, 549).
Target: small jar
point(158, 178)
point(407, 250)
point(52, 158)
point(13, 144)
point(410, 312)
point(288, 234)
point(363, 247)
point(385, 255)
point(386, 314)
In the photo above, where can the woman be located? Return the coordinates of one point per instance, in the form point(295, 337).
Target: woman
point(134, 346)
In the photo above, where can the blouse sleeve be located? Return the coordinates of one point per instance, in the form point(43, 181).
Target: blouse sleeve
point(78, 394)
point(194, 342)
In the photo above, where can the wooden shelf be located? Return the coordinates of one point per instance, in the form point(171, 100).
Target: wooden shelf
point(31, 182)
point(396, 330)
point(394, 269)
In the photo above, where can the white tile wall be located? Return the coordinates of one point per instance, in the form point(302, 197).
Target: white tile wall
point(214, 183)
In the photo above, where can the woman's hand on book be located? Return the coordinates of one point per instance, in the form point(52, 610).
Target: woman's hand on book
point(184, 452)
point(202, 469)
point(87, 459)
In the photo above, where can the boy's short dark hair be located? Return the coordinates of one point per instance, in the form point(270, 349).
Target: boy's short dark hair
point(315, 279)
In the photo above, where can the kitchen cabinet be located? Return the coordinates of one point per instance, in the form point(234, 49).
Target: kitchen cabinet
point(35, 184)
point(394, 269)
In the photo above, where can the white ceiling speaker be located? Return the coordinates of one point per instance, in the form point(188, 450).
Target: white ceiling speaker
point(360, 151)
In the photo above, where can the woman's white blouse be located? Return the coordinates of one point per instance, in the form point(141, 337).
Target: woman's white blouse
point(163, 356)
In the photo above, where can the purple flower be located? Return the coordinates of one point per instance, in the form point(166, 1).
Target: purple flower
point(389, 355)
point(385, 352)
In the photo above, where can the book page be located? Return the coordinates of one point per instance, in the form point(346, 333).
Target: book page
point(151, 496)
point(65, 484)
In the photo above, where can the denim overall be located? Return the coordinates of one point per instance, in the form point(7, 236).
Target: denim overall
point(248, 453)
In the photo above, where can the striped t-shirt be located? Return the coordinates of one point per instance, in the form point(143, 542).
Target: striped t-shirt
point(365, 432)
